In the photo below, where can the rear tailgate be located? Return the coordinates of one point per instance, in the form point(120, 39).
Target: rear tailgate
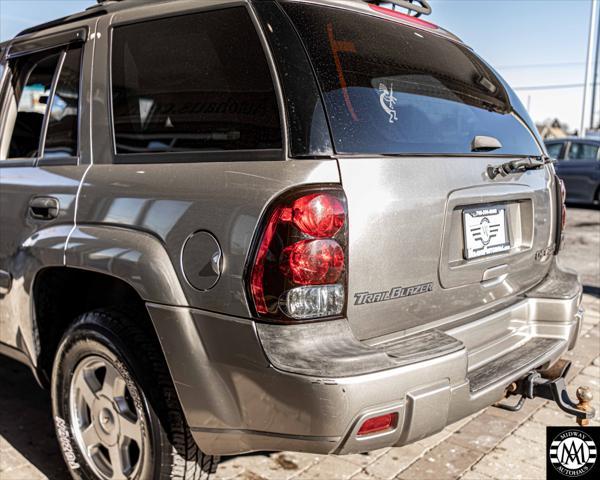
point(431, 235)
point(406, 230)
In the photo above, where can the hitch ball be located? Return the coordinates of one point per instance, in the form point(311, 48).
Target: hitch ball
point(585, 397)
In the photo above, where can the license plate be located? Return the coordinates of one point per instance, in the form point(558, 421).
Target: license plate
point(485, 231)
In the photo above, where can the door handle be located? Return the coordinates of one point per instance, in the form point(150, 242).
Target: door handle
point(44, 208)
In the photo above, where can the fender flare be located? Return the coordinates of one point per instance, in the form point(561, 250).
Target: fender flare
point(44, 248)
point(134, 256)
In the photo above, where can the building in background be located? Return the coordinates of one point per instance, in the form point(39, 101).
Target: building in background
point(553, 128)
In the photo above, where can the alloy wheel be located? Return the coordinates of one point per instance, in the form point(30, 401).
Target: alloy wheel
point(106, 425)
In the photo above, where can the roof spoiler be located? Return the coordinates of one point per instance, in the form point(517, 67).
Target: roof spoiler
point(419, 7)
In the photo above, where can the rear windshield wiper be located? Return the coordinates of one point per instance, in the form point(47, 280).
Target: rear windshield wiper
point(518, 166)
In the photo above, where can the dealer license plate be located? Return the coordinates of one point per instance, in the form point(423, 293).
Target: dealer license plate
point(485, 231)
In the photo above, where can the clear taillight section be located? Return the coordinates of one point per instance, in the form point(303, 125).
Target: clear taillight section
point(298, 271)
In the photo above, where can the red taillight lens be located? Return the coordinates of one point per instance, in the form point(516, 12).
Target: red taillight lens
point(320, 215)
point(313, 262)
point(299, 264)
point(561, 197)
point(378, 424)
point(256, 278)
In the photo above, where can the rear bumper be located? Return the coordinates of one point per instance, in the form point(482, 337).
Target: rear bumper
point(244, 388)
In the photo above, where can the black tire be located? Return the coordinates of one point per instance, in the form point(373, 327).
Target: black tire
point(167, 449)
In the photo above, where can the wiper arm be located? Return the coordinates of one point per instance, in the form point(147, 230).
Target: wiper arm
point(518, 166)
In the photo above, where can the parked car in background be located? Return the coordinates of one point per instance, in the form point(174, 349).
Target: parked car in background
point(579, 167)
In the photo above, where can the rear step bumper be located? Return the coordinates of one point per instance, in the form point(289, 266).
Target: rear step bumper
point(247, 387)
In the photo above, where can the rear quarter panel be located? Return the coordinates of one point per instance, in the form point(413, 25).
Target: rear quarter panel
point(172, 201)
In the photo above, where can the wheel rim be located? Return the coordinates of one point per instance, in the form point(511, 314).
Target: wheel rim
point(105, 422)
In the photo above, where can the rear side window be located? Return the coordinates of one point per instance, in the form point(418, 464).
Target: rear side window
point(31, 86)
point(583, 151)
point(61, 137)
point(193, 83)
point(42, 110)
point(392, 89)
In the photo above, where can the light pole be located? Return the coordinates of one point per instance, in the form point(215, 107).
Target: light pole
point(595, 77)
point(588, 65)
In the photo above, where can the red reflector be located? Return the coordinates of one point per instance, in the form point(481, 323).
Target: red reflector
point(402, 16)
point(319, 215)
point(379, 424)
point(313, 262)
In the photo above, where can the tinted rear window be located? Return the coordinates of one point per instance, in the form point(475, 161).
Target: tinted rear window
point(192, 83)
point(61, 138)
point(391, 89)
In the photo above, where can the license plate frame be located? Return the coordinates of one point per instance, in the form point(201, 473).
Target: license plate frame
point(485, 231)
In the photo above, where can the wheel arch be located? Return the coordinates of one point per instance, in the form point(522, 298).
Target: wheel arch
point(134, 256)
point(60, 294)
point(103, 267)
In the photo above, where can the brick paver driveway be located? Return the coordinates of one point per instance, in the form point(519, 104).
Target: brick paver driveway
point(493, 444)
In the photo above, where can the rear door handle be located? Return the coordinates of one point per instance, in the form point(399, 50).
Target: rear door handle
point(44, 208)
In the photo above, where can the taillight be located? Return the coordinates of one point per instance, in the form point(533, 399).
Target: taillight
point(319, 215)
point(561, 199)
point(563, 205)
point(298, 271)
point(313, 262)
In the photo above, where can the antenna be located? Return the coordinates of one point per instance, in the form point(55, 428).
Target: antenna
point(419, 7)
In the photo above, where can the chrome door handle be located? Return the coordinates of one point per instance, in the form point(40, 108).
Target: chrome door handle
point(44, 208)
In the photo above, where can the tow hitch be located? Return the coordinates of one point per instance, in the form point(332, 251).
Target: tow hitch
point(550, 384)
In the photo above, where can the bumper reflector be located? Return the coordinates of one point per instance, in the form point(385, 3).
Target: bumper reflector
point(378, 424)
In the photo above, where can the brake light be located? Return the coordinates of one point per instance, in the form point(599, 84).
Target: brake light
point(313, 262)
point(378, 424)
point(298, 271)
point(319, 215)
point(403, 16)
point(561, 198)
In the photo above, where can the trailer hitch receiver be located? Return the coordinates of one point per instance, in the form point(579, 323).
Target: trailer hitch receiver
point(550, 384)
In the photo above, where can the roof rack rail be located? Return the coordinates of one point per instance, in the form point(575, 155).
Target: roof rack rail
point(419, 7)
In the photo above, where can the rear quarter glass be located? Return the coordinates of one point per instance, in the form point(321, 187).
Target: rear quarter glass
point(392, 89)
point(211, 90)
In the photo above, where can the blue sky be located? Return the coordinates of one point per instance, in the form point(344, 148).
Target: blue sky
point(531, 42)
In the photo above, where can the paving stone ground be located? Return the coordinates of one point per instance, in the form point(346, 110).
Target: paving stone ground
point(493, 444)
